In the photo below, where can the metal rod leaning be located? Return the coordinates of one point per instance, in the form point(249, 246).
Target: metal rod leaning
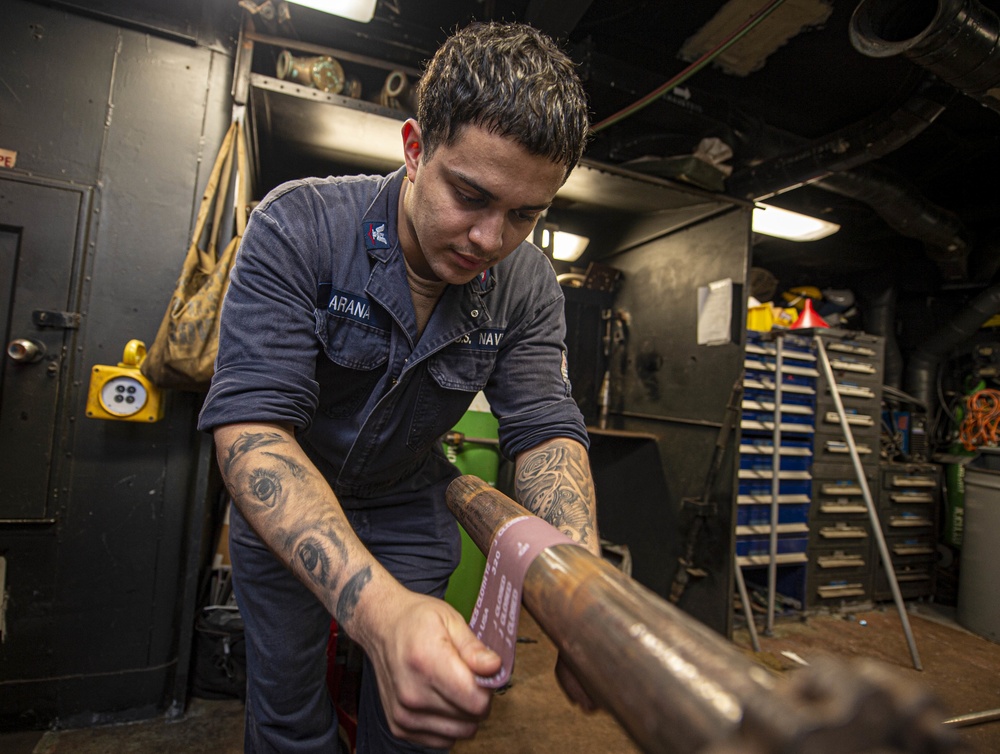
point(866, 492)
point(741, 585)
point(772, 561)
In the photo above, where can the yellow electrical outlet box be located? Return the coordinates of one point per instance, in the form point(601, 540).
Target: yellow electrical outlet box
point(123, 393)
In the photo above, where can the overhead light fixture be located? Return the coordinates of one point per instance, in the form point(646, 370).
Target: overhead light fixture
point(783, 223)
point(566, 247)
point(356, 10)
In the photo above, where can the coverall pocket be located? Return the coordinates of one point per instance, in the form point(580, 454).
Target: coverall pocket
point(462, 368)
point(454, 376)
point(356, 358)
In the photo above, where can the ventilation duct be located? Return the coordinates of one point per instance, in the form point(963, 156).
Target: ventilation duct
point(956, 40)
point(848, 148)
point(880, 319)
point(922, 366)
point(909, 213)
point(835, 162)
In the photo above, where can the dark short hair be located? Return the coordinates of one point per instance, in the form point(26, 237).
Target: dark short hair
point(510, 79)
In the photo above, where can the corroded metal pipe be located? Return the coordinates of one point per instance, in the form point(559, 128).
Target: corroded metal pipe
point(676, 686)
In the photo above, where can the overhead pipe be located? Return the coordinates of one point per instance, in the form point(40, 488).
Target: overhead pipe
point(848, 148)
point(907, 211)
point(904, 209)
point(922, 366)
point(920, 219)
point(956, 40)
point(880, 319)
point(835, 163)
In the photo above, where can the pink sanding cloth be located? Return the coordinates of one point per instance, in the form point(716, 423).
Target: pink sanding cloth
point(498, 607)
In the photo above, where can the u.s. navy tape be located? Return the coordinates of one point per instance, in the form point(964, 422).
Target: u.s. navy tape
point(498, 607)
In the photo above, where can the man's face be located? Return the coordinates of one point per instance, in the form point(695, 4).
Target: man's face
point(472, 203)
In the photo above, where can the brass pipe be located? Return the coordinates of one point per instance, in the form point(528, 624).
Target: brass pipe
point(676, 686)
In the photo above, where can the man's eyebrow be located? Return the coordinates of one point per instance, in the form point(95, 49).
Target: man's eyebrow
point(491, 196)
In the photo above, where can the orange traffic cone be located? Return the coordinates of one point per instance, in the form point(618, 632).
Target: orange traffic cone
point(809, 317)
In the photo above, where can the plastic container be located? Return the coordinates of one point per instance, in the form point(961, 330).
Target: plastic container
point(786, 488)
point(752, 546)
point(979, 573)
point(749, 514)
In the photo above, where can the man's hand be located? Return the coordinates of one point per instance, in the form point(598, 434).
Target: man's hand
point(572, 687)
point(426, 661)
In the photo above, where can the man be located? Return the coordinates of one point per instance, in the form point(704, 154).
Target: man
point(363, 316)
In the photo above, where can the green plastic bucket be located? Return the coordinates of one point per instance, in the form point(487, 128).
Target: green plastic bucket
point(481, 460)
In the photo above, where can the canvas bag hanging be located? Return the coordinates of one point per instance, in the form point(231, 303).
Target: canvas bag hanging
point(183, 354)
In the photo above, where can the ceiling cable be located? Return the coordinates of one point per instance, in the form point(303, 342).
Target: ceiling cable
point(692, 69)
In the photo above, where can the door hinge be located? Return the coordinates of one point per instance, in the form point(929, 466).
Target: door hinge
point(64, 320)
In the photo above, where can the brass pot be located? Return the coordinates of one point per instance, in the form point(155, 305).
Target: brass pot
point(321, 72)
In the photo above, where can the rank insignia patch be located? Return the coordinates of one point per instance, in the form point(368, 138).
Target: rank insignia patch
point(375, 236)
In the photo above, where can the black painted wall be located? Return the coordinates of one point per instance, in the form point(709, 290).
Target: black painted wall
point(128, 113)
point(676, 391)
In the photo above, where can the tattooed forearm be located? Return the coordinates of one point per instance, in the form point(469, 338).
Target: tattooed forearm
point(554, 482)
point(246, 442)
point(351, 593)
point(293, 510)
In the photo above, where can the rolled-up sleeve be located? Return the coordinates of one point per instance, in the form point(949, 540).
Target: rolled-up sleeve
point(266, 364)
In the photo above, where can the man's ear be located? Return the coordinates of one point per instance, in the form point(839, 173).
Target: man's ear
point(412, 147)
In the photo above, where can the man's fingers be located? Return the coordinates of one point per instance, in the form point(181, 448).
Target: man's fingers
point(481, 660)
point(450, 658)
point(427, 674)
point(435, 731)
point(467, 657)
point(572, 688)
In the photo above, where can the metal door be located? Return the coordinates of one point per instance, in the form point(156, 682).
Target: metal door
point(41, 230)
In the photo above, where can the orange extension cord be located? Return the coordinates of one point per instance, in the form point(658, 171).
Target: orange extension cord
point(981, 424)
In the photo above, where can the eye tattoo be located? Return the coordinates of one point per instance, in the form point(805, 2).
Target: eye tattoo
point(313, 558)
point(265, 486)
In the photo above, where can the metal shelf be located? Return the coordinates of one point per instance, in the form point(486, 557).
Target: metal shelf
point(329, 127)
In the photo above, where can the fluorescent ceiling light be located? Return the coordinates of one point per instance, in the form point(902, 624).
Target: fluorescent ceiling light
point(356, 10)
point(783, 223)
point(566, 247)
